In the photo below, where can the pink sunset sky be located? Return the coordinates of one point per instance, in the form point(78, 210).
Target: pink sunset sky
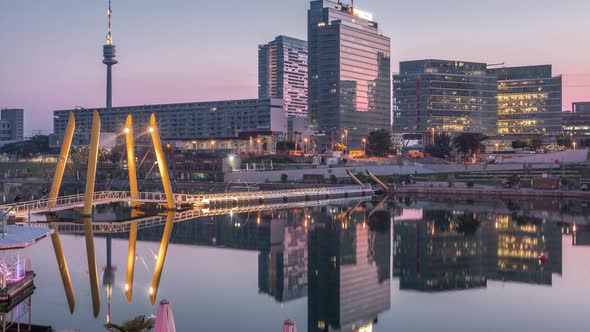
point(194, 50)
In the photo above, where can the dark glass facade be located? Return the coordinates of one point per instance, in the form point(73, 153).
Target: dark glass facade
point(349, 66)
point(444, 96)
point(282, 73)
point(577, 122)
point(529, 100)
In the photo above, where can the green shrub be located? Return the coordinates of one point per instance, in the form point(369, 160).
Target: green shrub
point(333, 179)
point(284, 177)
point(451, 180)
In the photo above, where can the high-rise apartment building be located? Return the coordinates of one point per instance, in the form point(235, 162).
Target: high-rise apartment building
point(444, 96)
point(211, 120)
point(12, 124)
point(529, 100)
point(282, 74)
point(349, 72)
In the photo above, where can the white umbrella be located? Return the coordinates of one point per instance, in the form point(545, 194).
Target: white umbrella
point(165, 319)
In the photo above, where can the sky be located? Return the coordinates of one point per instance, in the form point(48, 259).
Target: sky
point(195, 50)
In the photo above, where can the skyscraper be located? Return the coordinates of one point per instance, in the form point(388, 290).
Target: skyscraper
point(282, 74)
point(444, 96)
point(349, 72)
point(529, 100)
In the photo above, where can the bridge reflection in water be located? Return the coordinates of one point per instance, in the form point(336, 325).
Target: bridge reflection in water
point(337, 253)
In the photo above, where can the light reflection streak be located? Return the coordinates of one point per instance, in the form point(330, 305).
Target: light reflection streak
point(92, 267)
point(63, 268)
point(161, 256)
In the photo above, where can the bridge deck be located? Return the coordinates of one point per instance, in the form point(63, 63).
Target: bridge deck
point(157, 220)
point(23, 209)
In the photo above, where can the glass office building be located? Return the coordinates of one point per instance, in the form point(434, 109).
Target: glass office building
point(529, 100)
point(349, 72)
point(444, 96)
point(576, 123)
point(282, 74)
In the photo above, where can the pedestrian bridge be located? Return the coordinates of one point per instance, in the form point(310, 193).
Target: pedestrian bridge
point(23, 210)
point(179, 216)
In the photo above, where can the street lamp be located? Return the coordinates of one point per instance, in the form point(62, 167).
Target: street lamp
point(364, 147)
point(305, 140)
point(496, 145)
point(574, 143)
point(346, 137)
point(212, 145)
point(259, 146)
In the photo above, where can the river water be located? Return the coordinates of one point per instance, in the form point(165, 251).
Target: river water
point(406, 264)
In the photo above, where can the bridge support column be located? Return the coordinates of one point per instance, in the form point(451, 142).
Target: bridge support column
point(131, 161)
point(162, 163)
point(379, 182)
point(63, 160)
point(354, 178)
point(92, 161)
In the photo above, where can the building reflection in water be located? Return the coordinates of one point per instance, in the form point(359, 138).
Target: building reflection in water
point(349, 264)
point(581, 235)
point(454, 250)
point(339, 255)
point(282, 269)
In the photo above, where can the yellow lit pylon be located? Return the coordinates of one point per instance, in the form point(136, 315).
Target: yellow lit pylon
point(92, 163)
point(162, 163)
point(63, 160)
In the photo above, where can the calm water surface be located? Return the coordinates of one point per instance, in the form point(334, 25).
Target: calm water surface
point(406, 265)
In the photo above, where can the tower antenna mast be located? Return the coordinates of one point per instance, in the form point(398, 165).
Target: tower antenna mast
point(109, 36)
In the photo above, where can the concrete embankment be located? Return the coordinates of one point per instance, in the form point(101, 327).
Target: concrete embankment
point(490, 192)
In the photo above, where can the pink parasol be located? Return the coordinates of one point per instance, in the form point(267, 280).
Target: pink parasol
point(289, 326)
point(165, 319)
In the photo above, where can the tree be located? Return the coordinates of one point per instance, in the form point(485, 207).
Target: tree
point(564, 141)
point(284, 146)
point(441, 147)
point(379, 143)
point(468, 143)
point(339, 147)
point(531, 144)
point(116, 153)
point(38, 144)
point(284, 177)
point(333, 179)
point(137, 324)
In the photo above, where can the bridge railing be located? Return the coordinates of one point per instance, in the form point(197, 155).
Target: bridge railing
point(47, 205)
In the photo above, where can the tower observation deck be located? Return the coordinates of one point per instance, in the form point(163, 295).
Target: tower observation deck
point(109, 52)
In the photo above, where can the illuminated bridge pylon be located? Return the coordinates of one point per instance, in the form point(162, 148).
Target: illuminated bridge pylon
point(93, 160)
